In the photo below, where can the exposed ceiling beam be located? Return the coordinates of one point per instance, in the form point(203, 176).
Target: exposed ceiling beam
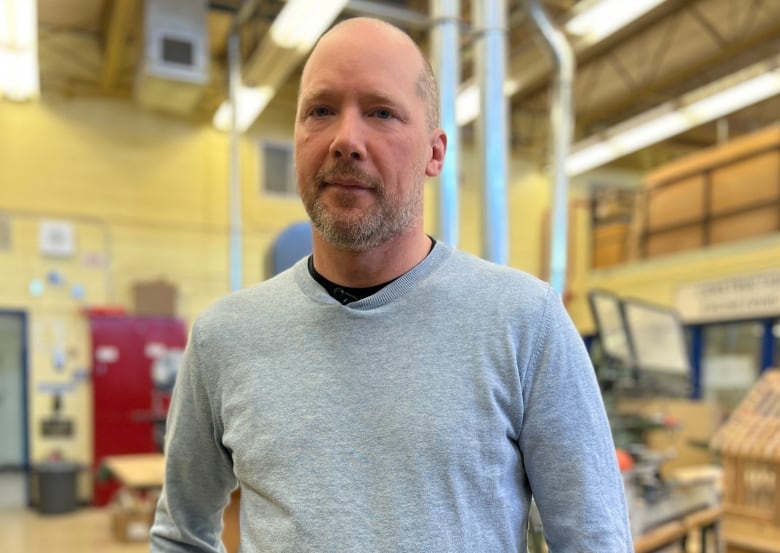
point(651, 90)
point(531, 72)
point(120, 22)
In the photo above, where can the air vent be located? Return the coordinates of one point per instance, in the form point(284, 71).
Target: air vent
point(175, 66)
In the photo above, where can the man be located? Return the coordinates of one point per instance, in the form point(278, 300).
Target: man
point(388, 394)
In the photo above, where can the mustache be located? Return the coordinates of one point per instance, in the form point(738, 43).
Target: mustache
point(342, 170)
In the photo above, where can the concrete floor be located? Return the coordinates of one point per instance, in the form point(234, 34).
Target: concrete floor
point(86, 530)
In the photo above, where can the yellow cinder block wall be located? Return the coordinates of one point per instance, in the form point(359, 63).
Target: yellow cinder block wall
point(147, 196)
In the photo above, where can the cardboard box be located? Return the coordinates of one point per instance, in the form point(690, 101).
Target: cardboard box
point(610, 244)
point(676, 203)
point(723, 194)
point(747, 224)
point(680, 239)
point(749, 182)
point(155, 298)
point(131, 525)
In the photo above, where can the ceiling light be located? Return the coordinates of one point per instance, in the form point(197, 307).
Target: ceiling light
point(598, 19)
point(293, 33)
point(251, 102)
point(302, 22)
point(19, 50)
point(735, 92)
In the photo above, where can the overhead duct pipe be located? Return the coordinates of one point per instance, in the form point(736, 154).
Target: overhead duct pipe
point(561, 115)
point(446, 61)
point(234, 83)
point(490, 61)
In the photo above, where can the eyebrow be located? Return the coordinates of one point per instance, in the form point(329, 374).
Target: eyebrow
point(324, 94)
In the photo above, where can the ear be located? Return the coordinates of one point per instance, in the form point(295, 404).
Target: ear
point(438, 149)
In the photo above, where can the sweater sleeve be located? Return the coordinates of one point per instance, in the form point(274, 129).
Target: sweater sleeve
point(198, 469)
point(567, 443)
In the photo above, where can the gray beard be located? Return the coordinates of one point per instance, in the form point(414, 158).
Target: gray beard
point(363, 231)
point(367, 230)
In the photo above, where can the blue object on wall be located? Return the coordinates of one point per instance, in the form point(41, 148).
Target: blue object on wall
point(292, 244)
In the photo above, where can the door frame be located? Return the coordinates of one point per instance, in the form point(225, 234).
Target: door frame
point(22, 317)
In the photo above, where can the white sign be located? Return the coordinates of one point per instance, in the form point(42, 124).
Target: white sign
point(107, 354)
point(57, 238)
point(746, 297)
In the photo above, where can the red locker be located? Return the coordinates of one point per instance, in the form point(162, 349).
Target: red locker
point(125, 403)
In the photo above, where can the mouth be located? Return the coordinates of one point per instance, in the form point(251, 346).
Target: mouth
point(349, 184)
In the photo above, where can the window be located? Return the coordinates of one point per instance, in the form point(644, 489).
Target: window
point(278, 169)
point(731, 361)
point(5, 232)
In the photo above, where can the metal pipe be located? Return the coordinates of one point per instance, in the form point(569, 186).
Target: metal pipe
point(236, 226)
point(490, 45)
point(561, 117)
point(236, 268)
point(446, 59)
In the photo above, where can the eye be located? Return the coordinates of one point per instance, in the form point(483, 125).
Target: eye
point(319, 111)
point(383, 113)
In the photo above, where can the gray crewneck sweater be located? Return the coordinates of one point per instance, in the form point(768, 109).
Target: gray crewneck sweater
point(415, 420)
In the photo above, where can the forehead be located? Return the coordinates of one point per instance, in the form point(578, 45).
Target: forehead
point(363, 57)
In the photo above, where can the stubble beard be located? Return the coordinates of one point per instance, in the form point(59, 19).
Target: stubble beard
point(349, 228)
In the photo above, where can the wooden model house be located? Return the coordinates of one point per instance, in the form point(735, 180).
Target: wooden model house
point(749, 444)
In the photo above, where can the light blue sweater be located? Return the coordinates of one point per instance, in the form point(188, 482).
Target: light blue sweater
point(418, 419)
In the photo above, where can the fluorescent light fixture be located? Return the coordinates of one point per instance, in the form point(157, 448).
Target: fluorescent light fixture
point(298, 26)
point(302, 22)
point(467, 105)
point(652, 132)
point(598, 19)
point(744, 94)
point(251, 102)
point(737, 91)
point(19, 79)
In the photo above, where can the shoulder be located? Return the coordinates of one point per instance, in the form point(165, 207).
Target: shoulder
point(247, 307)
point(486, 279)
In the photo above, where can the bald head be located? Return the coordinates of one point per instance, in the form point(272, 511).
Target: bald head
point(426, 86)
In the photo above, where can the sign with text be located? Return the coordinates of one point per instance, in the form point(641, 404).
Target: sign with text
point(751, 296)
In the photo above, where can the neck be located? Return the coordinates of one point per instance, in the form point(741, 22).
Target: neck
point(371, 267)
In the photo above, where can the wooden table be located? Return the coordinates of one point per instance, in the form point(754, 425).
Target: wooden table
point(662, 536)
point(146, 471)
point(141, 471)
point(677, 531)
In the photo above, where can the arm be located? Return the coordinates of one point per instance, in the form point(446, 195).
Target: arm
point(198, 469)
point(567, 444)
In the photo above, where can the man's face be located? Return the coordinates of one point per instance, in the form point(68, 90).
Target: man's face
point(362, 149)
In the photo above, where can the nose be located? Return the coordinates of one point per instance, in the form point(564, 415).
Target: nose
point(348, 142)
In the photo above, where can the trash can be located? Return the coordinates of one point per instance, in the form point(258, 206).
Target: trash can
point(56, 485)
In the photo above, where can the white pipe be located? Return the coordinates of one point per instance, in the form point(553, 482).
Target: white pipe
point(446, 60)
point(490, 61)
point(236, 226)
point(561, 117)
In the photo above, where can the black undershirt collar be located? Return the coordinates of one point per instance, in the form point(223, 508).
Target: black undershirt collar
point(348, 294)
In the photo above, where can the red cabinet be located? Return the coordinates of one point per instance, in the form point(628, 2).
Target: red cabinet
point(126, 405)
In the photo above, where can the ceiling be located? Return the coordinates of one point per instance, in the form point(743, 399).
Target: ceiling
point(92, 48)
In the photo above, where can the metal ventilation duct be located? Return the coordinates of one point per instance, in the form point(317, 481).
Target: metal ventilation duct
point(175, 67)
